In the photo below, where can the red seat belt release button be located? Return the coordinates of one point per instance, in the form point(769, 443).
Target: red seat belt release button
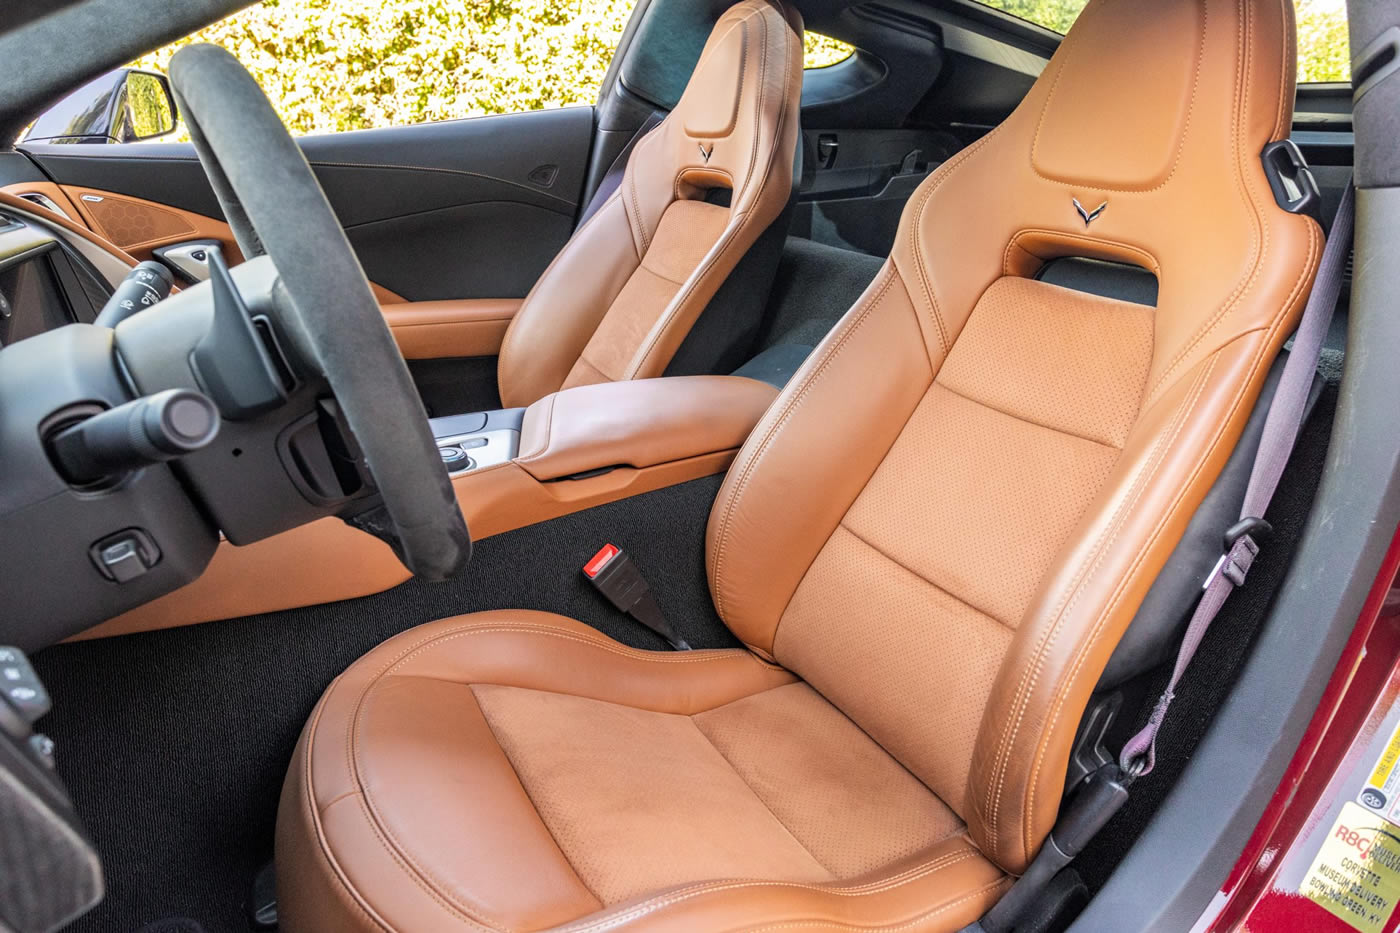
point(598, 561)
point(614, 575)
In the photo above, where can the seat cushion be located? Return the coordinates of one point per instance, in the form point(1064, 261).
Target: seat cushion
point(520, 771)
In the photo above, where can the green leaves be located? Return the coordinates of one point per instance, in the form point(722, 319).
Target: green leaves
point(331, 65)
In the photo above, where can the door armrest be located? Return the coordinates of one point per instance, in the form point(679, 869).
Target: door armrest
point(639, 423)
point(427, 330)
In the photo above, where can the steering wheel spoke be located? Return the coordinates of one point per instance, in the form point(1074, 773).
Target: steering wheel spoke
point(323, 302)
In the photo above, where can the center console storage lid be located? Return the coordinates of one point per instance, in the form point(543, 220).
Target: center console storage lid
point(638, 423)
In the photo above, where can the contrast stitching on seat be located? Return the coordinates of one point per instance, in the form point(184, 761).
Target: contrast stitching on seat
point(1015, 243)
point(1259, 236)
point(1016, 416)
point(917, 921)
point(642, 356)
point(313, 811)
point(1257, 364)
point(756, 796)
point(791, 405)
point(903, 566)
point(661, 901)
point(1181, 140)
point(1031, 674)
point(934, 182)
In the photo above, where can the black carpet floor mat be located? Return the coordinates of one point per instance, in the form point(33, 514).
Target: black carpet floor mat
point(174, 744)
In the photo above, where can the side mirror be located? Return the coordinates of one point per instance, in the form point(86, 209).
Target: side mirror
point(121, 106)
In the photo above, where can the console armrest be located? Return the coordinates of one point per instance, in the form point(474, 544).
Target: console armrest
point(639, 423)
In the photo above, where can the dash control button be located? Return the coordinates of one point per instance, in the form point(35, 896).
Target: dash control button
point(126, 555)
point(452, 456)
point(20, 685)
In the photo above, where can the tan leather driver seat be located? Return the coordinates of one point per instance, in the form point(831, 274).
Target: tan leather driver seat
point(622, 295)
point(928, 594)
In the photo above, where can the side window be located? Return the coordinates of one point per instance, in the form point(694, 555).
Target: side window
point(332, 65)
point(1323, 54)
point(819, 51)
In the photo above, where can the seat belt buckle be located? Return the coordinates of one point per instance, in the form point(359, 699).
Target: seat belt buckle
point(613, 574)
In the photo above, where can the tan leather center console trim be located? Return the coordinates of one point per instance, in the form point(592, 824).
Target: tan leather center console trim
point(656, 432)
point(640, 423)
point(427, 330)
point(327, 560)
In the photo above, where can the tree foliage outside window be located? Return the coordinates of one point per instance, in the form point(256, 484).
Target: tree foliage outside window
point(1322, 31)
point(819, 51)
point(331, 65)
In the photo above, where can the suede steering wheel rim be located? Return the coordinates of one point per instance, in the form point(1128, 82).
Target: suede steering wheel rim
point(276, 207)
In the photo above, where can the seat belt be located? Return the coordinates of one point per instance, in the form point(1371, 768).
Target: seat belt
point(1103, 792)
point(1281, 428)
point(612, 178)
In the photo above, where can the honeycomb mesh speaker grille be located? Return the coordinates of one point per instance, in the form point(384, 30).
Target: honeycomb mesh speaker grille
point(132, 223)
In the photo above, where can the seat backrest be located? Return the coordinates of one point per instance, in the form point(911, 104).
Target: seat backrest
point(623, 293)
point(949, 517)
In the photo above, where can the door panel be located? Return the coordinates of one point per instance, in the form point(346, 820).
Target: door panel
point(855, 183)
point(462, 209)
point(468, 211)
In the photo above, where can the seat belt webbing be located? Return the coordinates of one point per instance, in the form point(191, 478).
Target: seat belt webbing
point(1281, 427)
point(612, 178)
point(1103, 792)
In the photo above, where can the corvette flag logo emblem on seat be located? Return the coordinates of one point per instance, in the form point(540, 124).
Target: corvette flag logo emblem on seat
point(1089, 216)
point(706, 150)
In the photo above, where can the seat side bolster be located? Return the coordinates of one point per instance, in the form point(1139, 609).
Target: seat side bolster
point(1088, 598)
point(359, 816)
point(562, 311)
point(942, 889)
point(811, 455)
point(761, 190)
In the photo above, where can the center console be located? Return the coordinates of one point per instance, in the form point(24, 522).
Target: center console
point(478, 440)
point(572, 450)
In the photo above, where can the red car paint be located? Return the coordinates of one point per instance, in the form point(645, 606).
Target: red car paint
point(1332, 761)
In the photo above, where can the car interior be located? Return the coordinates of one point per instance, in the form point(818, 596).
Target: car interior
point(767, 499)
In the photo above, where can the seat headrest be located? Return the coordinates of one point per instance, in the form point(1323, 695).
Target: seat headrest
point(736, 123)
point(1139, 143)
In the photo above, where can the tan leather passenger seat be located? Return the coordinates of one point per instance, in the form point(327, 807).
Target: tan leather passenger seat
point(930, 545)
point(622, 295)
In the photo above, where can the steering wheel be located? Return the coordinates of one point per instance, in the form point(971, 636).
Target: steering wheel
point(276, 208)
